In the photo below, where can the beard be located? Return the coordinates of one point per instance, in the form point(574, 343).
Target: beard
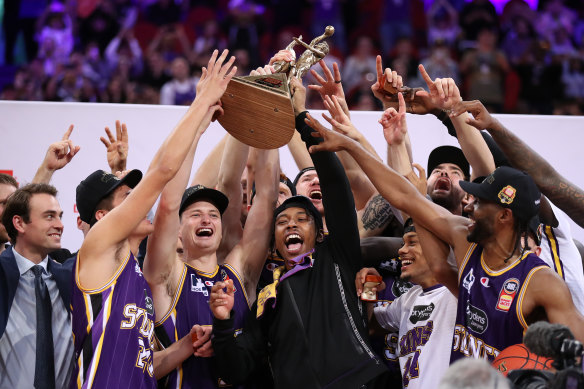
point(451, 201)
point(482, 230)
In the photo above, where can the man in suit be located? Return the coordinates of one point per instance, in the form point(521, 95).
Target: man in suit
point(7, 186)
point(35, 293)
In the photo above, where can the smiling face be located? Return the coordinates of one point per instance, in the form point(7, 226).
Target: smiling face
point(42, 233)
point(444, 187)
point(294, 233)
point(308, 185)
point(414, 267)
point(200, 229)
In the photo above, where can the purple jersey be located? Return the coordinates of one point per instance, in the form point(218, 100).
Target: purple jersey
point(113, 331)
point(190, 306)
point(489, 316)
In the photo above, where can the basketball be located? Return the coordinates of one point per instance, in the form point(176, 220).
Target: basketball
point(518, 357)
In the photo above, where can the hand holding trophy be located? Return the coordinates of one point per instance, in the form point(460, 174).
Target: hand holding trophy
point(258, 109)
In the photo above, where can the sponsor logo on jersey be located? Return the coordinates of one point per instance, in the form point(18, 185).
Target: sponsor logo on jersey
point(137, 269)
point(400, 287)
point(507, 194)
point(485, 282)
point(209, 283)
point(392, 265)
point(197, 285)
point(507, 294)
point(476, 319)
point(421, 313)
point(468, 280)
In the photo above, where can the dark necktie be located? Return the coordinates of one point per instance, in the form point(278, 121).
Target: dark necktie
point(44, 371)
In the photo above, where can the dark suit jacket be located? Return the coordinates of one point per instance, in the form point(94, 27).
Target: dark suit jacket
point(9, 276)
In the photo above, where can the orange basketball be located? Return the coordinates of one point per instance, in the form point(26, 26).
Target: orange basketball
point(518, 357)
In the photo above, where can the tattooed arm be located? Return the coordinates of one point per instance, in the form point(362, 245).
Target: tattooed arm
point(564, 194)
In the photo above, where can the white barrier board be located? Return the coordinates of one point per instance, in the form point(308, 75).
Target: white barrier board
point(27, 128)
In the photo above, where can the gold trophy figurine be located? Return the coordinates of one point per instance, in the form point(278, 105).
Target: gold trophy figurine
point(258, 109)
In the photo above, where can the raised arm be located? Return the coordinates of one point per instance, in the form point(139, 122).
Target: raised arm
point(445, 95)
point(564, 194)
point(57, 157)
point(398, 191)
point(229, 183)
point(160, 264)
point(208, 170)
point(113, 228)
point(249, 255)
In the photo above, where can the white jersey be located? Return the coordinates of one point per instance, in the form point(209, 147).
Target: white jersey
point(561, 254)
point(425, 321)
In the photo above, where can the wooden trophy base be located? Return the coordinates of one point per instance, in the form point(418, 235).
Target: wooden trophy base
point(258, 110)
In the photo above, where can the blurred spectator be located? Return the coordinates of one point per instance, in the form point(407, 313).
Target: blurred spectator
point(21, 15)
point(475, 16)
point(404, 59)
point(100, 26)
point(519, 41)
point(55, 37)
point(181, 90)
point(208, 40)
point(362, 61)
point(442, 24)
point(561, 44)
point(171, 42)
point(395, 23)
point(440, 63)
point(94, 66)
point(125, 48)
point(484, 70)
point(555, 16)
point(244, 27)
point(573, 78)
point(163, 12)
point(155, 73)
point(329, 13)
point(115, 91)
point(242, 61)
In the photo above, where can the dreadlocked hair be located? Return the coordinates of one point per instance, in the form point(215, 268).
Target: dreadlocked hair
point(521, 229)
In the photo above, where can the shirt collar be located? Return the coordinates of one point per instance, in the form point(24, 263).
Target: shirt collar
point(25, 264)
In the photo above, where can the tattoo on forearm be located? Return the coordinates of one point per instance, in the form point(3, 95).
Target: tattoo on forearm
point(377, 213)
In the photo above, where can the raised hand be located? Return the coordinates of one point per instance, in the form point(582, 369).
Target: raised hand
point(61, 153)
point(262, 71)
point(116, 148)
point(212, 114)
point(419, 180)
point(330, 85)
point(202, 345)
point(482, 118)
point(383, 77)
point(444, 93)
point(394, 123)
point(360, 280)
point(298, 95)
point(339, 119)
point(282, 55)
point(215, 77)
point(221, 300)
point(333, 140)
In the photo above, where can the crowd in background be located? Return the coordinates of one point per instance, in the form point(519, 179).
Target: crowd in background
point(520, 60)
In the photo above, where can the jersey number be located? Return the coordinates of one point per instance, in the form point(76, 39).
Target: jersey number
point(411, 369)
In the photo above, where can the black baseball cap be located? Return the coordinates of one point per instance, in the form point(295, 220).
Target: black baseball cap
point(200, 192)
point(301, 172)
point(448, 154)
point(509, 188)
point(301, 202)
point(97, 186)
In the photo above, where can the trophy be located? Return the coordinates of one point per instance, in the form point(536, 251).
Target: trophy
point(258, 109)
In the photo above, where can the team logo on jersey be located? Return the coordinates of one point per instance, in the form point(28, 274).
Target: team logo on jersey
point(400, 287)
point(148, 303)
point(137, 269)
point(469, 279)
point(507, 194)
point(485, 282)
point(225, 277)
point(197, 285)
point(392, 265)
point(476, 319)
point(507, 294)
point(421, 313)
